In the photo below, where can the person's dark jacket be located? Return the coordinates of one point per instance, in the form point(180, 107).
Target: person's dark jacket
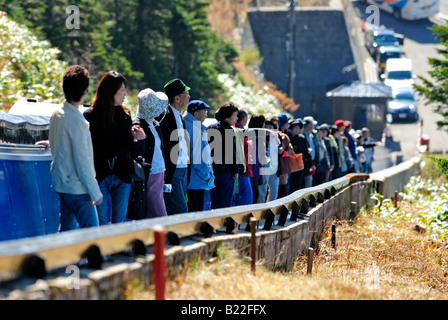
point(110, 140)
point(335, 151)
point(168, 124)
point(330, 150)
point(301, 146)
point(227, 162)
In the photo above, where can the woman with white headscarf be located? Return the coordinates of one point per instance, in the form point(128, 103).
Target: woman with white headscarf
point(150, 105)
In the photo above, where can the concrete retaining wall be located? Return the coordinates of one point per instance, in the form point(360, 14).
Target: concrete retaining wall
point(322, 52)
point(395, 178)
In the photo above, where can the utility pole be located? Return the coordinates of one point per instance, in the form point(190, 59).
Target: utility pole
point(290, 48)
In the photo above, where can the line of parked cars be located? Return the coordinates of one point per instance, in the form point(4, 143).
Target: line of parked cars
point(395, 70)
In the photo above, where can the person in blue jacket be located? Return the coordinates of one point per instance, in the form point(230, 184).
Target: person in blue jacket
point(201, 171)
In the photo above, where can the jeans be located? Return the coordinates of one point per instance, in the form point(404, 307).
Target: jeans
point(222, 194)
point(260, 189)
point(77, 211)
point(115, 200)
point(175, 200)
point(273, 182)
point(245, 194)
point(207, 201)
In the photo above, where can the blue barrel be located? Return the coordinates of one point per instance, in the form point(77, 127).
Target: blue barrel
point(29, 206)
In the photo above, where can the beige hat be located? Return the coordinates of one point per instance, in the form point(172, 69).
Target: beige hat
point(151, 103)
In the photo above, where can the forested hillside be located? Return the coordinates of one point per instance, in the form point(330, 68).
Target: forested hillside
point(148, 41)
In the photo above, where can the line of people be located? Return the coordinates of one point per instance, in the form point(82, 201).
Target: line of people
point(188, 167)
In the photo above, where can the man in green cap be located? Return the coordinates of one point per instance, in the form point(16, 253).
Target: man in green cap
point(175, 142)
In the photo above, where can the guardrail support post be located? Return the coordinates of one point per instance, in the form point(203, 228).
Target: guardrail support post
point(327, 194)
point(309, 269)
point(138, 248)
point(284, 211)
point(396, 199)
point(253, 244)
point(353, 209)
point(333, 236)
point(295, 209)
point(230, 225)
point(173, 238)
point(320, 198)
point(206, 229)
point(312, 202)
point(159, 262)
point(269, 220)
point(247, 218)
point(33, 266)
point(93, 256)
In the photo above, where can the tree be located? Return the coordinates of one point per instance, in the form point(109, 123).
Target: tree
point(436, 91)
point(199, 54)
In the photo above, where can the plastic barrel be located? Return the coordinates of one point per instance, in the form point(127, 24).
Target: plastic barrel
point(29, 206)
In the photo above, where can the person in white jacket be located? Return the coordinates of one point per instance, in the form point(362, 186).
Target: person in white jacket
point(72, 168)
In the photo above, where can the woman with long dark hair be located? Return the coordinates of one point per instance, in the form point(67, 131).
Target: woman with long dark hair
point(113, 136)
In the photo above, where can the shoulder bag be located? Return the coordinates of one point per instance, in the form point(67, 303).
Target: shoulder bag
point(127, 168)
point(296, 162)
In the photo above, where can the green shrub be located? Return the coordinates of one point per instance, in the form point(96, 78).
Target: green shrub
point(29, 68)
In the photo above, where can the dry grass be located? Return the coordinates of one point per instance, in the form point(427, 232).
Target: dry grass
point(374, 259)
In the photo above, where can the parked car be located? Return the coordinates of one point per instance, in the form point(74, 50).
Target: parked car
point(398, 73)
point(384, 53)
point(403, 106)
point(378, 37)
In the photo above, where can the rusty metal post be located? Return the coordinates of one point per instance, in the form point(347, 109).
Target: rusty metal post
point(353, 211)
point(253, 245)
point(396, 199)
point(333, 236)
point(309, 269)
point(159, 262)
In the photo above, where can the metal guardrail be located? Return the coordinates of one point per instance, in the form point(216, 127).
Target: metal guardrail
point(35, 256)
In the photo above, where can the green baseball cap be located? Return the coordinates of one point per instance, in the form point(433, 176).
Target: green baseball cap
point(175, 87)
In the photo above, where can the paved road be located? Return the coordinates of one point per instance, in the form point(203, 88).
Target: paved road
point(419, 45)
